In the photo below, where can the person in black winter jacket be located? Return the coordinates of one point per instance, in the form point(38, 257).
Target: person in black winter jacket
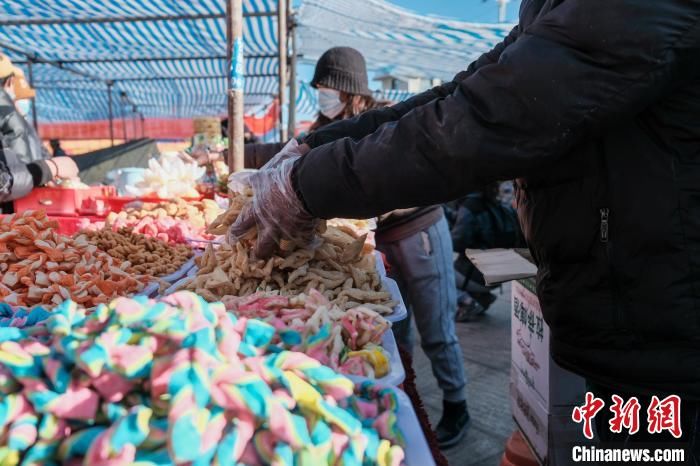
point(481, 221)
point(15, 132)
point(416, 242)
point(592, 106)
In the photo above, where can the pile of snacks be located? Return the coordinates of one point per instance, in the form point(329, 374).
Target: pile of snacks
point(338, 267)
point(198, 213)
point(357, 228)
point(149, 256)
point(168, 178)
point(20, 317)
point(173, 222)
point(347, 341)
point(181, 382)
point(39, 266)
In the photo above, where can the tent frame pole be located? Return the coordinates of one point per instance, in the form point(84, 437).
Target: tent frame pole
point(282, 40)
point(234, 49)
point(123, 106)
point(111, 113)
point(133, 19)
point(293, 80)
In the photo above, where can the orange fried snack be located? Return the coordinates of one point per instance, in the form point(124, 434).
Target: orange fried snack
point(38, 266)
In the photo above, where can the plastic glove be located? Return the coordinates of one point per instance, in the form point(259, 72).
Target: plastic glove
point(291, 150)
point(275, 209)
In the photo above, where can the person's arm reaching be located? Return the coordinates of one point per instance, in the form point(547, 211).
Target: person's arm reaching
point(568, 75)
point(368, 122)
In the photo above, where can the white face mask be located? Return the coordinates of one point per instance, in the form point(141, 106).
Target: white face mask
point(330, 103)
point(23, 106)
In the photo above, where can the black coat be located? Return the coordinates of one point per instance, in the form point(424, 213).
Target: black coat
point(594, 106)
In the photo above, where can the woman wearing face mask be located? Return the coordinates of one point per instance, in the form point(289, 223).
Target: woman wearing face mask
point(24, 94)
point(343, 92)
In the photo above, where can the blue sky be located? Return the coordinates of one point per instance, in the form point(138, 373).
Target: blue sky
point(477, 11)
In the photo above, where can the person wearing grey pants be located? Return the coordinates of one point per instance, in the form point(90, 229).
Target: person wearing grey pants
point(419, 254)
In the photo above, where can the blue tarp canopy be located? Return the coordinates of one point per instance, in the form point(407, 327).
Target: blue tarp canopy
point(167, 58)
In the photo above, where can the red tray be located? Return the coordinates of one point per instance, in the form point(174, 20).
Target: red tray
point(64, 201)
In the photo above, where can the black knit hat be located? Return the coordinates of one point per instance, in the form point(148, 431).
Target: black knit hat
point(342, 69)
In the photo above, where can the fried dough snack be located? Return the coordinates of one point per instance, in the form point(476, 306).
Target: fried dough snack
point(40, 266)
point(149, 256)
point(198, 213)
point(338, 267)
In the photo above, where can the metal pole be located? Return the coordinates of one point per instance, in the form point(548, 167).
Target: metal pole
point(293, 82)
point(131, 19)
point(502, 10)
point(111, 113)
point(123, 99)
point(282, 39)
point(234, 36)
point(30, 75)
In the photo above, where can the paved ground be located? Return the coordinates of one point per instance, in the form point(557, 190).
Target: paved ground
point(486, 347)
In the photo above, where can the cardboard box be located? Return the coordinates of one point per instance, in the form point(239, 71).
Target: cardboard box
point(550, 435)
point(543, 394)
point(532, 364)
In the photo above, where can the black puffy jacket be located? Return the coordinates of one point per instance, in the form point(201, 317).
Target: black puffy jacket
point(594, 106)
point(16, 133)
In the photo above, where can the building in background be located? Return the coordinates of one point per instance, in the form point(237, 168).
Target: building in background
point(413, 83)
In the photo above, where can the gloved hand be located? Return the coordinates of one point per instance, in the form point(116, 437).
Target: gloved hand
point(275, 209)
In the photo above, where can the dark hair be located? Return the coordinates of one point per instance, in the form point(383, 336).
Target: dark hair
point(3, 81)
point(354, 105)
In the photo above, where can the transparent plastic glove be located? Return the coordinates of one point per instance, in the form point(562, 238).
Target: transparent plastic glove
point(275, 209)
point(291, 150)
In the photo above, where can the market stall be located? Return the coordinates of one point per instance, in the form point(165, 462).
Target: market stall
point(139, 322)
point(129, 321)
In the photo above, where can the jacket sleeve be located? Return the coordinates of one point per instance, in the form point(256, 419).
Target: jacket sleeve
point(16, 181)
point(256, 155)
point(16, 136)
point(368, 122)
point(572, 73)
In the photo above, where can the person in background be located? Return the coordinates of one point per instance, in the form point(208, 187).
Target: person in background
point(483, 220)
point(15, 132)
point(17, 179)
point(344, 100)
point(56, 148)
point(24, 94)
point(417, 244)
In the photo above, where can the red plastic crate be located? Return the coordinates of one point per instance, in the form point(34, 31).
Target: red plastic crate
point(63, 201)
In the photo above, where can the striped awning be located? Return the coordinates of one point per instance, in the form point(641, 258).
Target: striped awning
point(166, 58)
point(389, 36)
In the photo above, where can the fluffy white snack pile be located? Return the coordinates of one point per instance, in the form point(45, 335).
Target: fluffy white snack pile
point(167, 178)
